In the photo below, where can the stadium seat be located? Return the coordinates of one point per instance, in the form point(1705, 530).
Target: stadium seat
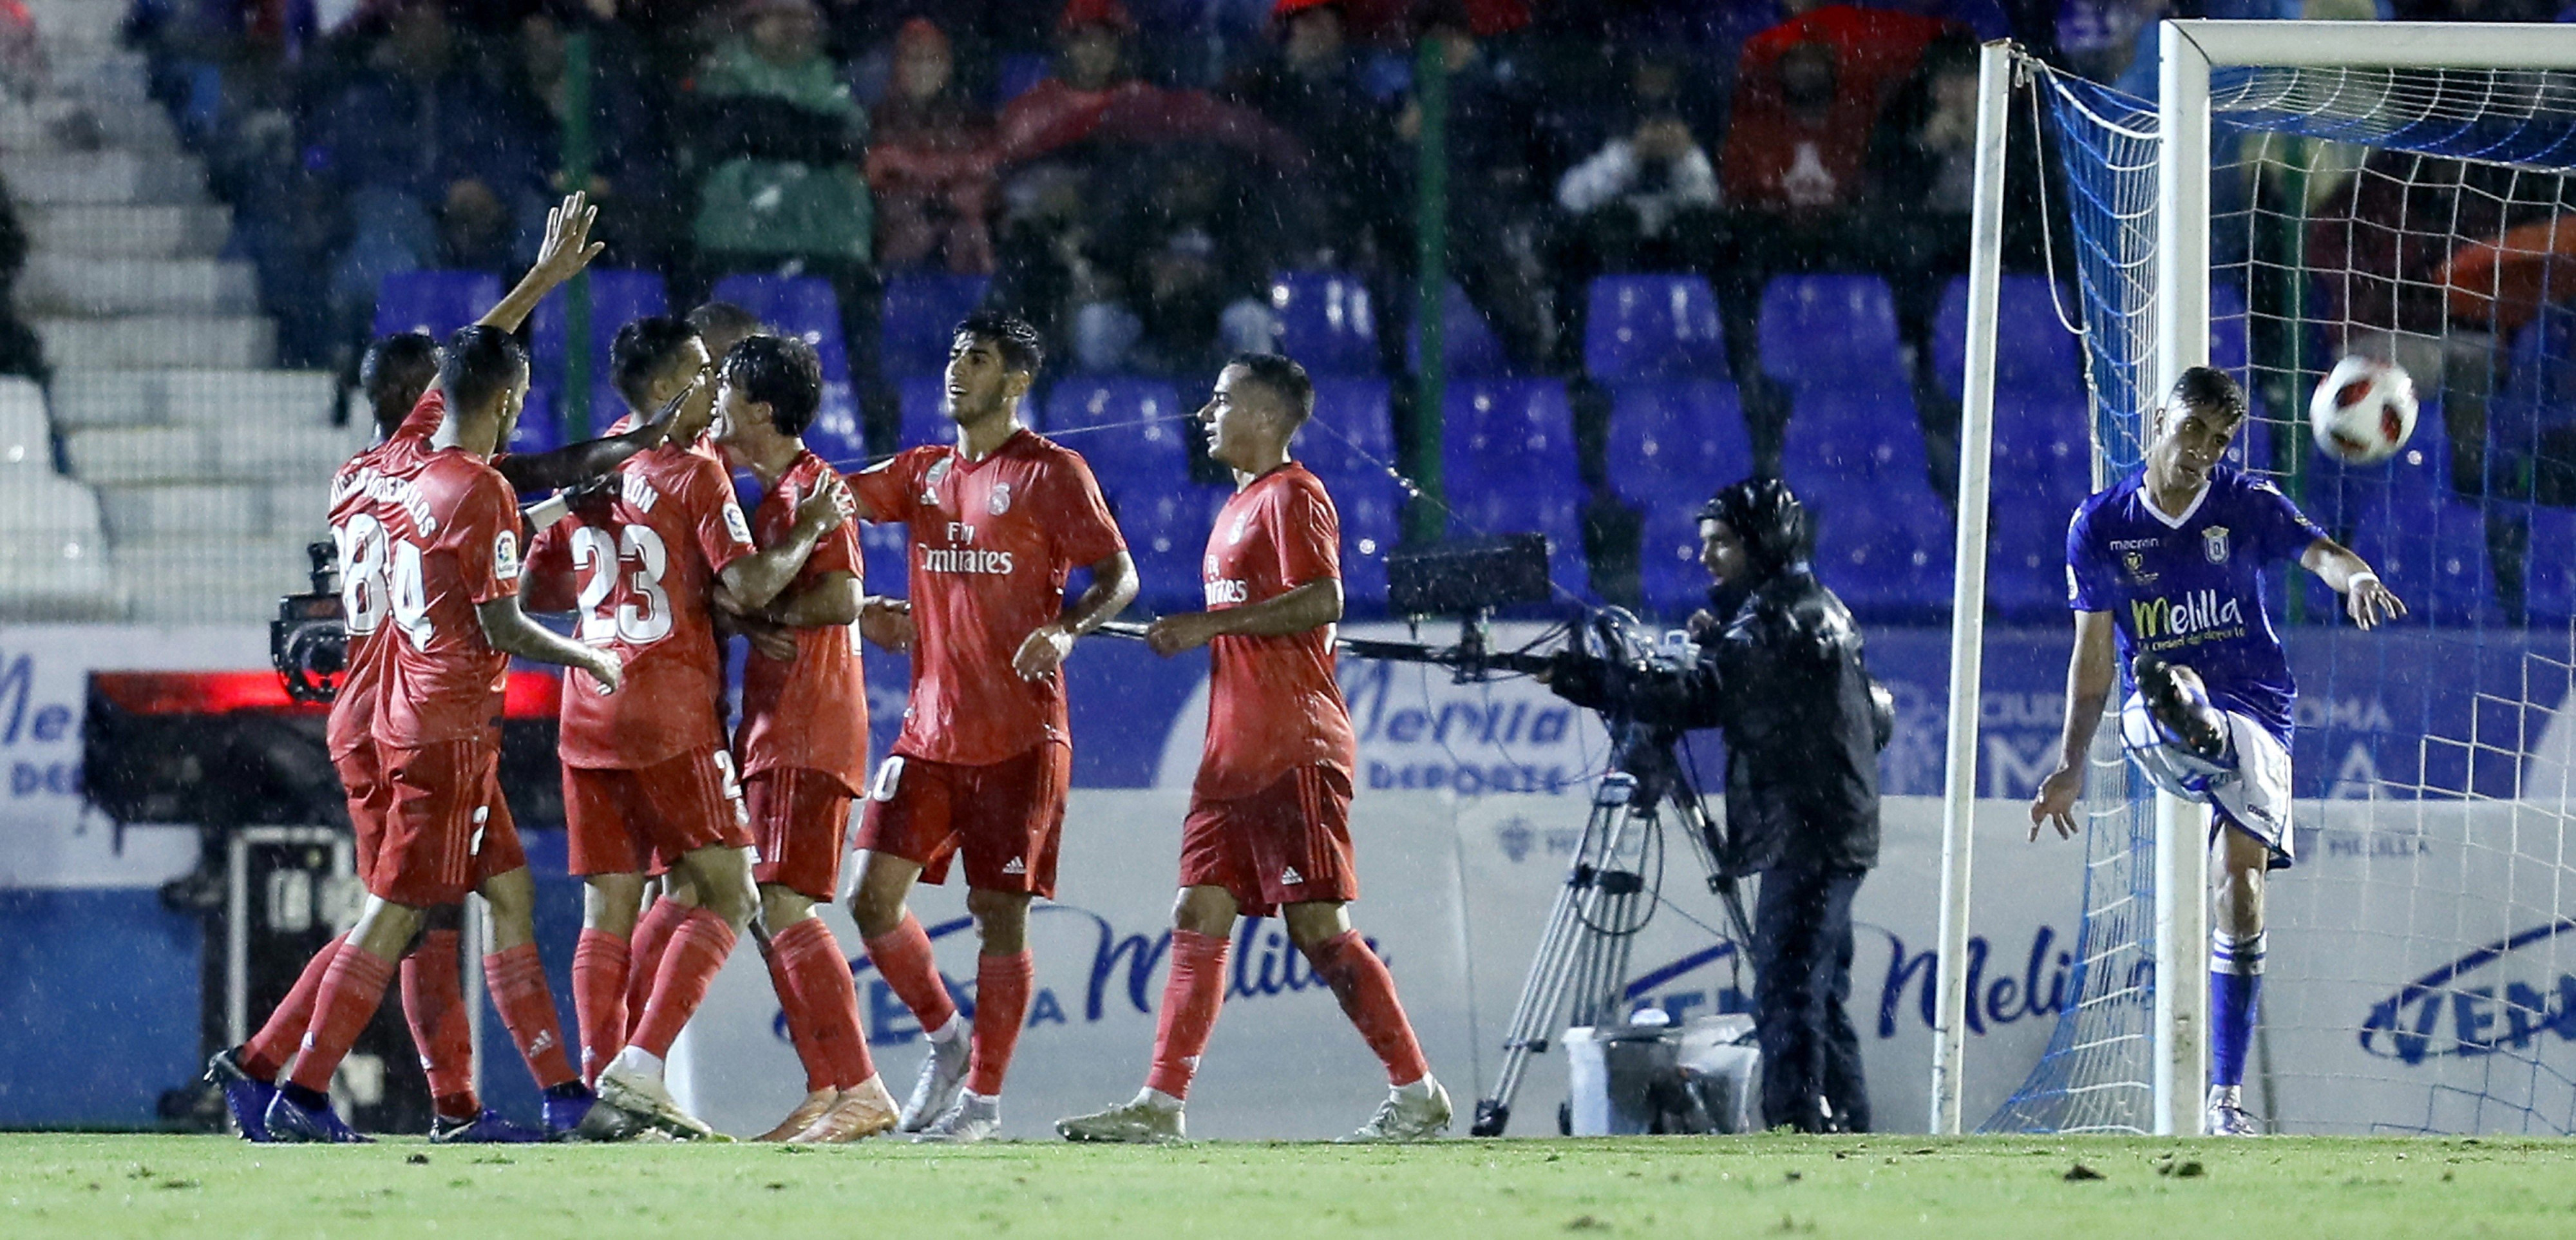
point(1166, 527)
point(1469, 349)
point(921, 314)
point(1353, 430)
point(1326, 321)
point(1652, 327)
point(436, 301)
point(2227, 344)
point(921, 401)
point(1672, 445)
point(1887, 556)
point(2550, 586)
point(616, 298)
point(884, 560)
point(540, 428)
point(2432, 553)
point(1371, 506)
point(802, 306)
point(1856, 434)
point(1507, 450)
point(2035, 355)
point(1128, 429)
point(1835, 332)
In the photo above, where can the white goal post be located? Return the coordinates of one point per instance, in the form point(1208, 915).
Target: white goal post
point(2189, 50)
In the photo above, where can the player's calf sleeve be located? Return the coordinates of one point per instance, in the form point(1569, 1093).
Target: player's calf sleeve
point(1001, 1006)
point(2235, 985)
point(902, 957)
point(801, 1032)
point(813, 963)
point(517, 980)
point(433, 1002)
point(644, 951)
point(265, 1055)
point(600, 963)
point(351, 988)
point(1191, 997)
point(697, 952)
point(1367, 993)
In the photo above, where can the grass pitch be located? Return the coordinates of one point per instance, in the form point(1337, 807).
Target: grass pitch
point(1990, 1188)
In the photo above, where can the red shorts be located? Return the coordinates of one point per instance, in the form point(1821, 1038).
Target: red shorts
point(1286, 844)
point(497, 850)
point(800, 822)
point(616, 820)
point(438, 810)
point(1006, 817)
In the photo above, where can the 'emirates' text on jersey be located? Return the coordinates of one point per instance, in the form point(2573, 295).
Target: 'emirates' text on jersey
point(811, 713)
point(452, 545)
point(645, 572)
point(2189, 589)
point(992, 542)
point(359, 518)
point(1273, 702)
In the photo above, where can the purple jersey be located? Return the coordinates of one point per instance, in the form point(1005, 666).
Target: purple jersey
point(2190, 589)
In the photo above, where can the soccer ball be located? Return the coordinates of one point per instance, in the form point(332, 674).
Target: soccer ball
point(2364, 411)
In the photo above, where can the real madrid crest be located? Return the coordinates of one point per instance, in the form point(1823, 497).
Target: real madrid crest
point(1242, 525)
point(999, 501)
point(2213, 543)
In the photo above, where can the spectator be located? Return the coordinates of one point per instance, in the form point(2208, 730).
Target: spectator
point(630, 163)
point(783, 139)
point(932, 162)
point(1180, 271)
point(1346, 210)
point(436, 170)
point(1646, 200)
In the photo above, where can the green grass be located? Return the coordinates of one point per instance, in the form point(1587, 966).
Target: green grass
point(95, 1186)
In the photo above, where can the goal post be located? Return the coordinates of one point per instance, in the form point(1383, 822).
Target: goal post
point(2358, 82)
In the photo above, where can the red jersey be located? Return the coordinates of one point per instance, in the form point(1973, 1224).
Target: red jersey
point(992, 543)
point(813, 712)
point(452, 533)
point(360, 502)
point(1273, 702)
point(645, 577)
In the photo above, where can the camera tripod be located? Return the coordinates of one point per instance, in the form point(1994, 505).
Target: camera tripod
point(1581, 967)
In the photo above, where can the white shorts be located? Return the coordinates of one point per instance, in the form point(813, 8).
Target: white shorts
point(2250, 788)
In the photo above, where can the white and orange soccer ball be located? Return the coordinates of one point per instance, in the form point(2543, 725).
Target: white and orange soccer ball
point(2364, 411)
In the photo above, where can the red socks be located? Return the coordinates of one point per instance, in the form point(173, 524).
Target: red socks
point(351, 988)
point(902, 956)
point(697, 952)
point(265, 1055)
point(517, 981)
point(1001, 1007)
point(1190, 1000)
point(1367, 991)
point(807, 961)
point(801, 1033)
point(599, 968)
point(652, 938)
point(433, 1001)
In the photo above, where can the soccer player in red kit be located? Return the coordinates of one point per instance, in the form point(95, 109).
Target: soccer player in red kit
point(646, 770)
point(451, 538)
point(802, 745)
point(1269, 823)
point(997, 523)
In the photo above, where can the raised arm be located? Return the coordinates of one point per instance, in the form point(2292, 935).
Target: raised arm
point(511, 632)
point(1310, 606)
point(2089, 673)
point(567, 249)
point(2368, 602)
point(1113, 586)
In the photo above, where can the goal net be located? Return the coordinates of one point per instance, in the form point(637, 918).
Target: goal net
point(2421, 974)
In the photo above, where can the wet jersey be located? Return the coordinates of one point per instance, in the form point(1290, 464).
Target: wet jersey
point(451, 540)
point(811, 713)
point(1273, 703)
point(992, 542)
point(2189, 589)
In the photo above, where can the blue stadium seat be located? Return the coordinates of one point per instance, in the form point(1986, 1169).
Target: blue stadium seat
point(2550, 583)
point(1326, 321)
point(2340, 497)
point(2034, 353)
point(1886, 555)
point(837, 435)
point(1166, 527)
point(1867, 435)
point(1128, 429)
point(885, 551)
point(1833, 332)
point(2043, 443)
point(540, 429)
point(1469, 349)
point(617, 297)
point(437, 302)
point(2043, 470)
point(1507, 450)
point(1353, 429)
point(1371, 507)
point(921, 314)
point(1018, 73)
point(1652, 327)
point(797, 305)
point(2432, 552)
point(922, 401)
point(1672, 445)
point(2227, 343)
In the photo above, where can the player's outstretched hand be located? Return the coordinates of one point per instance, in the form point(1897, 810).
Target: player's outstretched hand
point(606, 670)
point(2055, 804)
point(1173, 634)
point(2372, 604)
point(568, 247)
point(1042, 652)
point(886, 622)
point(827, 506)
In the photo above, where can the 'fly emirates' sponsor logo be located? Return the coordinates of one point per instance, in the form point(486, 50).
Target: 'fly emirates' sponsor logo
point(2199, 613)
point(962, 556)
point(1227, 593)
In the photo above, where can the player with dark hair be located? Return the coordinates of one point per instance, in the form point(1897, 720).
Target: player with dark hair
point(997, 521)
point(802, 745)
point(450, 535)
point(396, 373)
point(1268, 831)
point(723, 325)
point(646, 771)
point(2170, 562)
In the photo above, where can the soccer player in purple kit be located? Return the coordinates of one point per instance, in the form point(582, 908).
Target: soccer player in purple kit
point(2170, 562)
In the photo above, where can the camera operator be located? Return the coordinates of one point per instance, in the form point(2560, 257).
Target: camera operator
point(1778, 666)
